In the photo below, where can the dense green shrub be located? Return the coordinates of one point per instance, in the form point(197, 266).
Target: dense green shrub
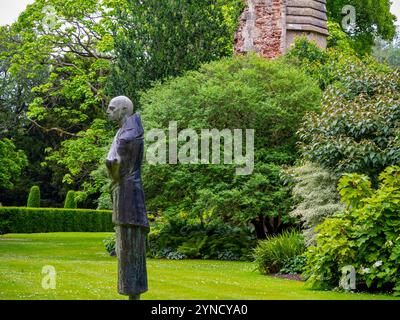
point(70, 201)
point(272, 254)
point(243, 92)
point(332, 65)
point(34, 197)
point(339, 40)
point(110, 243)
point(365, 235)
point(179, 236)
point(294, 265)
point(35, 220)
point(358, 129)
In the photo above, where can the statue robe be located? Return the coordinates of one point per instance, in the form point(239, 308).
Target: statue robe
point(129, 213)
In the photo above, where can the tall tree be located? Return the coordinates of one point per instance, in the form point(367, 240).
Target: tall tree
point(159, 39)
point(373, 18)
point(12, 162)
point(55, 61)
point(388, 52)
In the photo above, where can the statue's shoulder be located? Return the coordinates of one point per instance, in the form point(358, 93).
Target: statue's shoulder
point(133, 128)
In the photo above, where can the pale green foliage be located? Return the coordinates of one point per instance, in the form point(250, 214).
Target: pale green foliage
point(353, 188)
point(339, 40)
point(99, 183)
point(388, 52)
point(76, 51)
point(315, 188)
point(331, 65)
point(68, 64)
point(82, 155)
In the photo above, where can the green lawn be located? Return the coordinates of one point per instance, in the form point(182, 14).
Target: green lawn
point(85, 271)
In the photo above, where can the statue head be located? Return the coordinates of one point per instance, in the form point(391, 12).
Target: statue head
point(119, 109)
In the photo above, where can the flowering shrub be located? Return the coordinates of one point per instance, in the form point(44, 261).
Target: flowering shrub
point(366, 235)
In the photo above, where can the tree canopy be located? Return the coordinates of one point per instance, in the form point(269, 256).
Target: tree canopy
point(373, 18)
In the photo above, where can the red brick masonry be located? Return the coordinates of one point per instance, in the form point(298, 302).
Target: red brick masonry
point(261, 28)
point(269, 27)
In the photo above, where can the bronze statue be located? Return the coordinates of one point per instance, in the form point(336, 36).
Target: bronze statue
point(129, 213)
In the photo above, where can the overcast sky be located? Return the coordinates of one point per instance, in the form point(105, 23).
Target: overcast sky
point(396, 9)
point(10, 9)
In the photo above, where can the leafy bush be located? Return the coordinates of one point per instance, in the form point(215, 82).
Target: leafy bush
point(272, 254)
point(365, 235)
point(179, 236)
point(109, 243)
point(294, 265)
point(332, 65)
point(316, 194)
point(70, 201)
point(243, 92)
point(38, 220)
point(34, 197)
point(339, 40)
point(358, 130)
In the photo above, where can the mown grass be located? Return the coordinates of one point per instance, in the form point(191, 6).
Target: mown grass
point(85, 271)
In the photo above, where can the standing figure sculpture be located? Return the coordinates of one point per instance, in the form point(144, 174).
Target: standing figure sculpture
point(129, 213)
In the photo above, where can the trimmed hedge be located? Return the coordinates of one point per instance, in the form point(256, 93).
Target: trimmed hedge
point(34, 197)
point(41, 220)
point(70, 201)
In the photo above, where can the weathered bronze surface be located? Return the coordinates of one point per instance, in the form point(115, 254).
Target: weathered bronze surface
point(129, 212)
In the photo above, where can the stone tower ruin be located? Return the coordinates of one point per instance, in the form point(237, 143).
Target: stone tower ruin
point(269, 27)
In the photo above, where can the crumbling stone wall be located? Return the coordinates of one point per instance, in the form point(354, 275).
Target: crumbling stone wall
point(269, 27)
point(261, 28)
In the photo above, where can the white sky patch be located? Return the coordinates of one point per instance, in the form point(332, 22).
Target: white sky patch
point(11, 9)
point(396, 10)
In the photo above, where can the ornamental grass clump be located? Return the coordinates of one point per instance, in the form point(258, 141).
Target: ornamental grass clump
point(272, 253)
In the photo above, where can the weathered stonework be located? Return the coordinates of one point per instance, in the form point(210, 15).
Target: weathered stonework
point(269, 27)
point(261, 28)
